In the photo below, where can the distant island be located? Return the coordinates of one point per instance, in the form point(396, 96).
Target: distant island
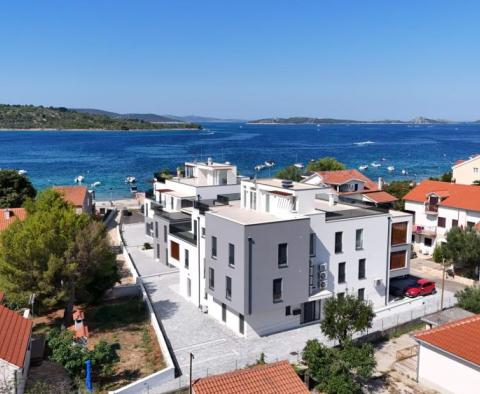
point(307, 120)
point(30, 117)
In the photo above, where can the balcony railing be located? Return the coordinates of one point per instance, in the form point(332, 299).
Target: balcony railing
point(425, 230)
point(431, 208)
point(183, 231)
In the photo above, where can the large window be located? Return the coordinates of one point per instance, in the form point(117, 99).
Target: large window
point(361, 294)
point(361, 269)
point(214, 247)
point(277, 290)
point(228, 288)
point(156, 229)
point(174, 250)
point(359, 239)
point(253, 200)
point(312, 244)
point(398, 260)
point(187, 259)
point(427, 241)
point(341, 272)
point(231, 254)
point(211, 278)
point(224, 313)
point(441, 222)
point(165, 234)
point(399, 233)
point(282, 255)
point(454, 223)
point(338, 242)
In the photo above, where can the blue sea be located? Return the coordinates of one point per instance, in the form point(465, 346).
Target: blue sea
point(57, 157)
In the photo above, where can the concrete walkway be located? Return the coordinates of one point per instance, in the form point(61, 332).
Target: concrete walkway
point(217, 349)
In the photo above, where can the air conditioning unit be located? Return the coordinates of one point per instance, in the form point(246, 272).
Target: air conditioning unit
point(323, 275)
point(323, 267)
point(377, 281)
point(323, 284)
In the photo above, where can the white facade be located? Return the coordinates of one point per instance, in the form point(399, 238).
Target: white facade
point(446, 373)
point(12, 377)
point(467, 172)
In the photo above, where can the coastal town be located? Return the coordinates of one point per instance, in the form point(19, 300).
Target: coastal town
point(225, 282)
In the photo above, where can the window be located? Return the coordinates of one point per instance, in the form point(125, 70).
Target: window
point(399, 233)
point(224, 313)
point(338, 242)
point(241, 323)
point(454, 223)
point(245, 197)
point(312, 244)
point(231, 254)
point(288, 310)
point(165, 233)
point(277, 290)
point(427, 241)
point(341, 273)
point(189, 287)
point(214, 247)
point(441, 222)
point(158, 251)
point(174, 250)
point(282, 255)
point(267, 202)
point(253, 200)
point(361, 294)
point(398, 260)
point(359, 239)
point(203, 232)
point(228, 288)
point(171, 203)
point(156, 229)
point(361, 269)
point(475, 170)
point(211, 278)
point(187, 256)
point(470, 225)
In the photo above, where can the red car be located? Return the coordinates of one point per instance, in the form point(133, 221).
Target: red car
point(421, 287)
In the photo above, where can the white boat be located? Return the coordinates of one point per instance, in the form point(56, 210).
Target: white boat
point(376, 165)
point(363, 167)
point(404, 172)
point(299, 165)
point(22, 172)
point(95, 184)
point(269, 163)
point(391, 168)
point(259, 167)
point(79, 179)
point(130, 179)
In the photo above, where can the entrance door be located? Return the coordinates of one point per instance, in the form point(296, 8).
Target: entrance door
point(308, 312)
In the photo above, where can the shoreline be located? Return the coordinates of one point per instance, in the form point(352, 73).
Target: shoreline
point(97, 129)
point(355, 123)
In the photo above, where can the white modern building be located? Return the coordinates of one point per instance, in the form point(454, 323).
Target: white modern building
point(466, 172)
point(439, 206)
point(449, 357)
point(261, 256)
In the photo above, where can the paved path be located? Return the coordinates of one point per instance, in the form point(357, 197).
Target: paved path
point(216, 348)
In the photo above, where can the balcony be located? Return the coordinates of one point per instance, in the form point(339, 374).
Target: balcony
point(430, 231)
point(431, 209)
point(183, 231)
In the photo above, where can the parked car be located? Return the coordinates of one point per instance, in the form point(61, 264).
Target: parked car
point(398, 287)
point(421, 287)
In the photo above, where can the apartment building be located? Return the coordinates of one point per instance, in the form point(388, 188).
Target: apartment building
point(466, 172)
point(263, 255)
point(439, 206)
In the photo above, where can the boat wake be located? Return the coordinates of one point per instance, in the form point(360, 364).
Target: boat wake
point(362, 143)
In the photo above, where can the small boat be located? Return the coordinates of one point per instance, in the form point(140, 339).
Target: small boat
point(95, 184)
point(269, 163)
point(79, 179)
point(130, 179)
point(363, 167)
point(259, 167)
point(404, 172)
point(391, 168)
point(383, 159)
point(376, 165)
point(22, 172)
point(299, 165)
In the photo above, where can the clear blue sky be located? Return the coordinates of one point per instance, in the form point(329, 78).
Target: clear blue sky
point(245, 59)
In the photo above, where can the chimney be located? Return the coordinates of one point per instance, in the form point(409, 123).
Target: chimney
point(380, 183)
point(7, 213)
point(332, 199)
point(209, 161)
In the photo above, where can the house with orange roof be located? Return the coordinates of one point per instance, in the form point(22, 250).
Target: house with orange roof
point(274, 378)
point(466, 172)
point(10, 215)
point(78, 196)
point(439, 206)
point(449, 357)
point(352, 184)
point(15, 344)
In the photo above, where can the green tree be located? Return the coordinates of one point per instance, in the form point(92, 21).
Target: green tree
point(344, 316)
point(326, 164)
point(291, 173)
point(469, 298)
point(15, 189)
point(398, 189)
point(163, 173)
point(445, 177)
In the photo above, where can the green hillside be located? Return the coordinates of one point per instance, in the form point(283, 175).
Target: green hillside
point(14, 117)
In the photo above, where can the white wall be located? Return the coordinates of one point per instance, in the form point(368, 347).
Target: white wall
point(7, 376)
point(465, 173)
point(445, 374)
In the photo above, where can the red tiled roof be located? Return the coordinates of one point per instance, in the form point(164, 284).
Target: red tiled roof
point(15, 213)
point(459, 162)
point(460, 338)
point(14, 336)
point(73, 194)
point(343, 176)
point(275, 378)
point(380, 197)
point(454, 195)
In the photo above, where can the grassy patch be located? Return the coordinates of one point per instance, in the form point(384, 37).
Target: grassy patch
point(406, 328)
point(117, 314)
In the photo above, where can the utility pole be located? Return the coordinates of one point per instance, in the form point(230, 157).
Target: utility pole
point(191, 358)
point(443, 284)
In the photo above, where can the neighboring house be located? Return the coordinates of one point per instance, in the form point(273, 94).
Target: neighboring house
point(10, 215)
point(439, 206)
point(352, 184)
point(275, 378)
point(78, 196)
point(265, 258)
point(466, 172)
point(449, 357)
point(15, 343)
point(444, 316)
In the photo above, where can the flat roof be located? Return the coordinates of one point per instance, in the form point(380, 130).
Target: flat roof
point(275, 182)
point(344, 211)
point(214, 165)
point(446, 316)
